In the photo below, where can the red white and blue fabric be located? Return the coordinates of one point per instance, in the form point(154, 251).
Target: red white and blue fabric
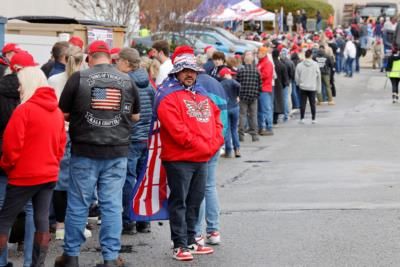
point(185, 61)
point(150, 194)
point(106, 99)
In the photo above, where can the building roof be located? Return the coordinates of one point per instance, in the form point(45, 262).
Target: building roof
point(65, 20)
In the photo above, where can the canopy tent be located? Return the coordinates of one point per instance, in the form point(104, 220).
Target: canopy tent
point(208, 8)
point(250, 11)
point(227, 15)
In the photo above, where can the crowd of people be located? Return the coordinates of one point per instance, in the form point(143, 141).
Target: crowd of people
point(75, 131)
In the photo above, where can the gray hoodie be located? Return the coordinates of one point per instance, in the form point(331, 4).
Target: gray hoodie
point(308, 76)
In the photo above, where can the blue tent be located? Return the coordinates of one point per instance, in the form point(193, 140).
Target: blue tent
point(208, 7)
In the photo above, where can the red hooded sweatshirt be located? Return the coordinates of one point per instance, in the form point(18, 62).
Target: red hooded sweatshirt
point(266, 69)
point(191, 129)
point(34, 141)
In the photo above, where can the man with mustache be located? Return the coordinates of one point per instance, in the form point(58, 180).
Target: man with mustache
point(191, 134)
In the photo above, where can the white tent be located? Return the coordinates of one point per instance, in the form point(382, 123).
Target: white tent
point(227, 15)
point(249, 11)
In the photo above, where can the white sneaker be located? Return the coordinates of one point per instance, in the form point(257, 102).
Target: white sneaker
point(60, 234)
point(200, 240)
point(87, 233)
point(213, 238)
point(314, 122)
point(301, 121)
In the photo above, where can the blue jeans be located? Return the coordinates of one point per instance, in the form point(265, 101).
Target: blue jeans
point(29, 228)
point(209, 209)
point(232, 135)
point(339, 63)
point(349, 66)
point(295, 95)
point(318, 26)
point(64, 174)
point(364, 42)
point(136, 160)
point(265, 110)
point(286, 103)
point(109, 176)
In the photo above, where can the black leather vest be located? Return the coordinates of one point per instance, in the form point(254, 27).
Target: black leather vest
point(102, 109)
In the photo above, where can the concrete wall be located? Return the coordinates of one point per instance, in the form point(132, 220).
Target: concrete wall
point(12, 8)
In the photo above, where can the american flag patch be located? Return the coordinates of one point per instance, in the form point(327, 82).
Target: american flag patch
point(106, 99)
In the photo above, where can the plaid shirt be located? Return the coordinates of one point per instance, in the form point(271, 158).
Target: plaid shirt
point(250, 81)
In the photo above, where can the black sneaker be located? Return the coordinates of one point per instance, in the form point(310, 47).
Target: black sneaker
point(66, 261)
point(129, 228)
point(143, 227)
point(94, 211)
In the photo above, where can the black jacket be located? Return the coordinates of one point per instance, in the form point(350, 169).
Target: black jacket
point(9, 100)
point(324, 62)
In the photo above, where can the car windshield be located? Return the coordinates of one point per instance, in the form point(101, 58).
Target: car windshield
point(227, 34)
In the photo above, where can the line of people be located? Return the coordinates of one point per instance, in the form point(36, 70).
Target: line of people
point(91, 141)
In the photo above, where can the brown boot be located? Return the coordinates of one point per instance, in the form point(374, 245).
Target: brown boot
point(119, 262)
point(66, 261)
point(40, 247)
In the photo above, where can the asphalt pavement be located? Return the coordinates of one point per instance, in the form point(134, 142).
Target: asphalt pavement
point(311, 195)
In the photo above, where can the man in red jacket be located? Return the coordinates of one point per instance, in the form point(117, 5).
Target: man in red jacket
point(266, 98)
point(191, 133)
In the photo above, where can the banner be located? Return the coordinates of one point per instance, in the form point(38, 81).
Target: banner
point(104, 34)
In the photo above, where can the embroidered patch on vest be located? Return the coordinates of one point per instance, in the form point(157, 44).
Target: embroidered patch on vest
point(106, 99)
point(200, 110)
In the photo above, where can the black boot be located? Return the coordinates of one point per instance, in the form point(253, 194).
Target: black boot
point(40, 247)
point(66, 261)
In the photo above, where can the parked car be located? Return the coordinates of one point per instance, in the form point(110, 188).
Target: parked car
point(144, 41)
point(251, 45)
point(175, 39)
point(218, 41)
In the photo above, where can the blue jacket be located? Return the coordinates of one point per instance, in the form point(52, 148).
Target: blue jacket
point(57, 68)
point(141, 129)
point(217, 94)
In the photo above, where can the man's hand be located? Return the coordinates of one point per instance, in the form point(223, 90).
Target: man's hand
point(135, 117)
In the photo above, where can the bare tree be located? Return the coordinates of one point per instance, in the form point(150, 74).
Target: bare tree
point(122, 12)
point(167, 14)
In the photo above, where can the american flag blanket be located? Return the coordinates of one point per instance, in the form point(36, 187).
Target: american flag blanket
point(150, 194)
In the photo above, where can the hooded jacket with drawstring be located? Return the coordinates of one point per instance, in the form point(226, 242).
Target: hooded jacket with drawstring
point(308, 76)
point(34, 140)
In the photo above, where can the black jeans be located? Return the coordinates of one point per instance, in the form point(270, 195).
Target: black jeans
point(395, 85)
point(310, 95)
point(60, 205)
point(18, 196)
point(187, 183)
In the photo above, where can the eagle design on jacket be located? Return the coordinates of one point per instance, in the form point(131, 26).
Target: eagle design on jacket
point(199, 110)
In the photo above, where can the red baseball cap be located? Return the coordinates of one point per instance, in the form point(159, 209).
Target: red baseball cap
point(77, 41)
point(180, 50)
point(21, 60)
point(10, 47)
point(225, 71)
point(115, 50)
point(207, 47)
point(98, 47)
